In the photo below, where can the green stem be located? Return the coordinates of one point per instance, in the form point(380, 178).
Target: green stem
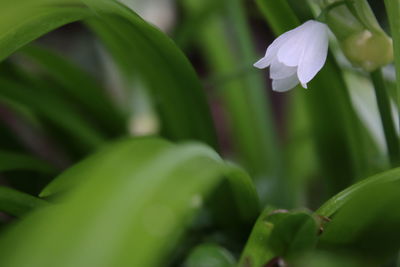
point(393, 11)
point(326, 10)
point(383, 100)
point(248, 109)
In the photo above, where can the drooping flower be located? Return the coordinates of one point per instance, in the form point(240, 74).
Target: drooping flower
point(296, 56)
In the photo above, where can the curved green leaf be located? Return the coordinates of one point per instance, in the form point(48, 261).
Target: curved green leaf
point(10, 161)
point(135, 44)
point(279, 235)
point(53, 108)
point(335, 203)
point(23, 21)
point(17, 203)
point(135, 199)
point(79, 85)
point(367, 225)
point(365, 218)
point(207, 255)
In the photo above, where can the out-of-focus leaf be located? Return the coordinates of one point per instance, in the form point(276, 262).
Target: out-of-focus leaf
point(23, 21)
point(10, 161)
point(17, 203)
point(324, 259)
point(257, 251)
point(141, 49)
point(279, 235)
point(54, 108)
point(367, 225)
point(365, 218)
point(335, 203)
point(79, 85)
point(135, 44)
point(293, 235)
point(243, 93)
point(133, 204)
point(207, 255)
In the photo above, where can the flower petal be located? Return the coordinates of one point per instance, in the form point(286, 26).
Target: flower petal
point(272, 51)
point(291, 51)
point(280, 71)
point(283, 85)
point(262, 63)
point(314, 55)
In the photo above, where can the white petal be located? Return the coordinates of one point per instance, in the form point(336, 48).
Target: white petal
point(314, 55)
point(272, 51)
point(291, 51)
point(283, 85)
point(279, 70)
point(262, 63)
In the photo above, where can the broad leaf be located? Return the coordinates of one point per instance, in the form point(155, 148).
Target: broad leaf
point(10, 161)
point(135, 44)
point(134, 202)
point(17, 203)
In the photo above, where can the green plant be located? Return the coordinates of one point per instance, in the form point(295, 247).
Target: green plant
point(79, 187)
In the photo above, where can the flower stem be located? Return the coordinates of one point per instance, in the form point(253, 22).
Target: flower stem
point(393, 11)
point(326, 10)
point(389, 128)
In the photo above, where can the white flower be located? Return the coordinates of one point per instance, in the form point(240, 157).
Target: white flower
point(296, 56)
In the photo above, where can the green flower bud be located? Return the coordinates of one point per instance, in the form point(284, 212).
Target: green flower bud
point(362, 40)
point(368, 50)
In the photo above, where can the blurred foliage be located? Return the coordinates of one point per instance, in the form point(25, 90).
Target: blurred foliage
point(222, 157)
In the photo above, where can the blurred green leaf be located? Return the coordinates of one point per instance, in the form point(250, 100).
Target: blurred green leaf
point(141, 49)
point(280, 235)
point(10, 161)
point(242, 90)
point(79, 85)
point(334, 204)
point(294, 234)
point(23, 21)
point(17, 203)
point(210, 255)
point(136, 45)
point(51, 106)
point(130, 208)
point(367, 225)
point(365, 218)
point(318, 259)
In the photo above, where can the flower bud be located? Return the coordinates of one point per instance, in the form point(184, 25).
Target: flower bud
point(367, 50)
point(362, 40)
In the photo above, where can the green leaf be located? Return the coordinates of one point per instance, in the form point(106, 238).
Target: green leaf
point(24, 21)
point(17, 203)
point(10, 161)
point(367, 225)
point(294, 234)
point(207, 255)
point(90, 95)
point(280, 234)
point(141, 49)
point(132, 206)
point(241, 88)
point(55, 109)
point(365, 218)
point(334, 204)
point(136, 45)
